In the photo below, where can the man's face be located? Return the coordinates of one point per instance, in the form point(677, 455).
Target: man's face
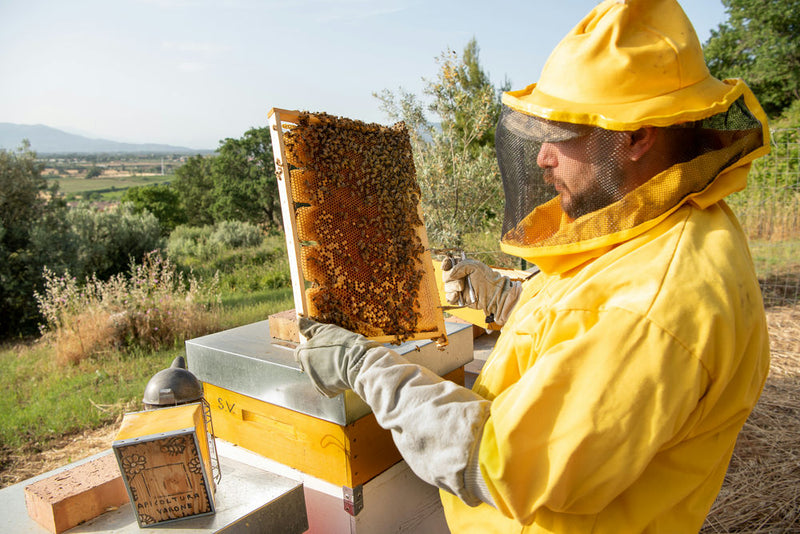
point(585, 171)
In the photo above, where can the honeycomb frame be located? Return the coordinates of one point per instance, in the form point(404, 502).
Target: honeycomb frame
point(357, 246)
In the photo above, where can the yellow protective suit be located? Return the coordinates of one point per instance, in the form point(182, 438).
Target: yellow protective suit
point(626, 370)
point(630, 363)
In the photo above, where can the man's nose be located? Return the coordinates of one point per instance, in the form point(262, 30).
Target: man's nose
point(546, 157)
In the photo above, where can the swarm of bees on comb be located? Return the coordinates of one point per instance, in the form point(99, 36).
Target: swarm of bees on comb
point(356, 202)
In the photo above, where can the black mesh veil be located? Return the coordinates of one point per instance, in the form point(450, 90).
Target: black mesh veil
point(528, 180)
point(541, 159)
point(517, 144)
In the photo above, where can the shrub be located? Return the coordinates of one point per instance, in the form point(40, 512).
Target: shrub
point(162, 200)
point(208, 241)
point(154, 306)
point(236, 234)
point(110, 239)
point(190, 241)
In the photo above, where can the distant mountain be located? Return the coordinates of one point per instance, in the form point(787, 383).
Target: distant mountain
point(47, 140)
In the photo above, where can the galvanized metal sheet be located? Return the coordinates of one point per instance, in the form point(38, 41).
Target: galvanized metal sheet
point(248, 499)
point(244, 360)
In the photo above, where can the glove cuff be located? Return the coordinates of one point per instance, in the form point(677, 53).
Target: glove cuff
point(474, 483)
point(436, 424)
point(359, 353)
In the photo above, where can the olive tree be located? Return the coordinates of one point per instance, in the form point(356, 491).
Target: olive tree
point(454, 156)
point(245, 188)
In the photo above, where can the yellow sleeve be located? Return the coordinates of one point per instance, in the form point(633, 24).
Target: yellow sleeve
point(604, 392)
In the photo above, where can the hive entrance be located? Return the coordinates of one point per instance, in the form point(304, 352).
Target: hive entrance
point(356, 239)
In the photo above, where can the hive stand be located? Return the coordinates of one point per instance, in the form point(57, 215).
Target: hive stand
point(263, 403)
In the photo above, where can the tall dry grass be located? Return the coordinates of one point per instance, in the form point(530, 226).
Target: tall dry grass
point(768, 216)
point(153, 306)
point(761, 493)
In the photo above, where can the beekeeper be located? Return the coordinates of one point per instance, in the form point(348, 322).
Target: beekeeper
point(627, 366)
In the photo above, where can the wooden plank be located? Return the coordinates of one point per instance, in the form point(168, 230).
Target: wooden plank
point(287, 208)
point(137, 424)
point(72, 497)
point(314, 446)
point(371, 450)
point(283, 326)
point(429, 290)
point(290, 115)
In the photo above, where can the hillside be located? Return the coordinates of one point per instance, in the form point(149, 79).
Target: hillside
point(47, 140)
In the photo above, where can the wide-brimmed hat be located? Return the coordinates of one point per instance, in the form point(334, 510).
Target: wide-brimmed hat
point(627, 64)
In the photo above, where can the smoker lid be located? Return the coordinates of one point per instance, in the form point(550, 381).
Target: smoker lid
point(172, 386)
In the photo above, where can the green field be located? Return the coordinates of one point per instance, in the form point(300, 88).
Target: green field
point(75, 186)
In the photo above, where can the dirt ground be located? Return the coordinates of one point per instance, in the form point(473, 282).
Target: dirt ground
point(68, 449)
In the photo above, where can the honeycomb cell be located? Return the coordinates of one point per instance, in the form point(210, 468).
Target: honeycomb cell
point(356, 202)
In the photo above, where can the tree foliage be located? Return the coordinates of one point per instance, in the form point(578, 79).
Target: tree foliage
point(162, 201)
point(31, 235)
point(194, 184)
point(759, 44)
point(93, 172)
point(24, 194)
point(245, 188)
point(455, 159)
point(238, 183)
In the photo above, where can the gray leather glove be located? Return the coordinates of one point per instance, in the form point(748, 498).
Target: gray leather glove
point(331, 356)
point(495, 294)
point(436, 424)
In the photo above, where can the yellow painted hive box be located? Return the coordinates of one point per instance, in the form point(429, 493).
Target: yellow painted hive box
point(345, 455)
point(165, 461)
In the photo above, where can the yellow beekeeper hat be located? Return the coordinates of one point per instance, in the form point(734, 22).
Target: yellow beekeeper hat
point(627, 64)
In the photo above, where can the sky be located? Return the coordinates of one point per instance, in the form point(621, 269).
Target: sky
point(194, 72)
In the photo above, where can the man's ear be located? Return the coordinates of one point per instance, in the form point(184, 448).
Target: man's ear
point(641, 141)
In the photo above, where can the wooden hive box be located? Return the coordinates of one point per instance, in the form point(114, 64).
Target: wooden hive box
point(165, 462)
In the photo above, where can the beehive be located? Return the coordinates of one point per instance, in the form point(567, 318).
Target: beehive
point(357, 244)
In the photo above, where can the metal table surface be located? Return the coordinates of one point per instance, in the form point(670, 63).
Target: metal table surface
point(248, 499)
point(244, 360)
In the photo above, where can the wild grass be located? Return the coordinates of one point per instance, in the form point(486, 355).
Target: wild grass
point(154, 306)
point(44, 399)
point(103, 345)
point(768, 213)
point(770, 216)
point(244, 265)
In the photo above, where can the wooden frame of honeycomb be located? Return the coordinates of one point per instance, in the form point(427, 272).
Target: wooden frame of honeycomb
point(358, 251)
